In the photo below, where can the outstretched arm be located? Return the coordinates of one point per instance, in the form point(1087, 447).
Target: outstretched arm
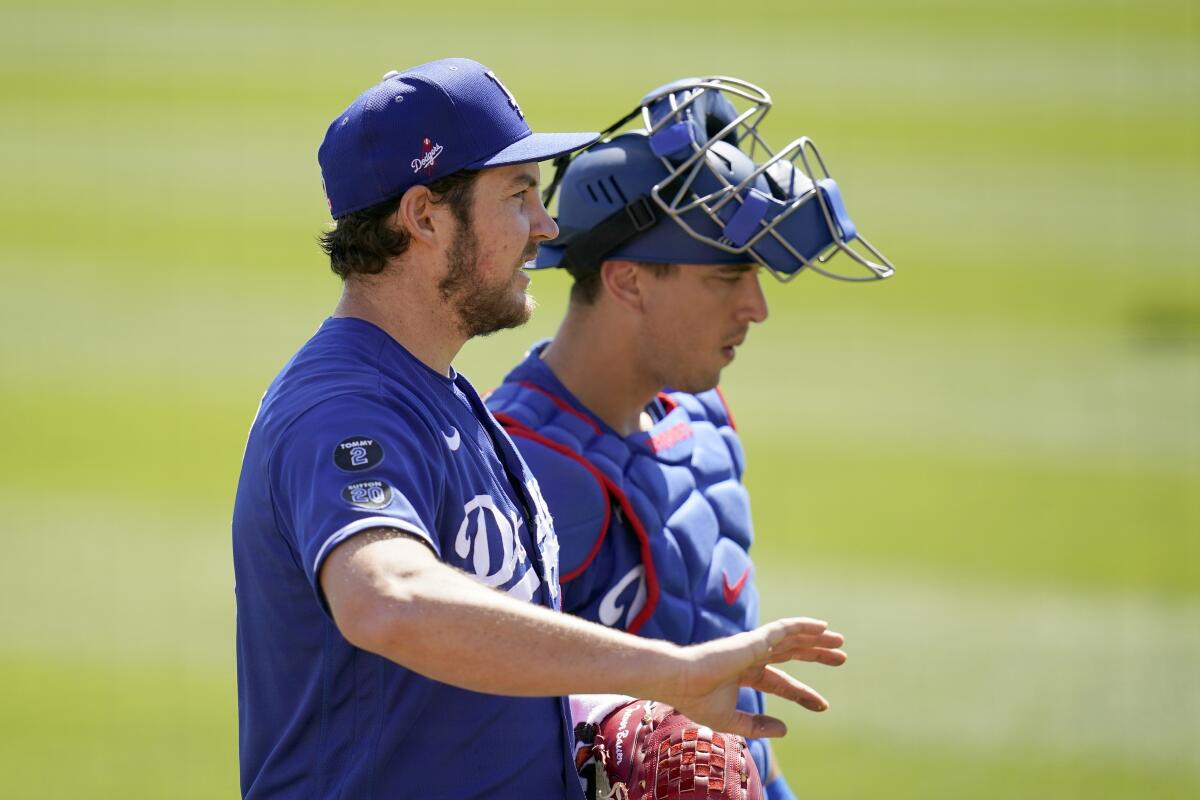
point(389, 594)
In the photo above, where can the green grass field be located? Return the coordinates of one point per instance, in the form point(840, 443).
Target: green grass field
point(986, 471)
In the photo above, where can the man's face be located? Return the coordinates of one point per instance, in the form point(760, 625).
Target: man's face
point(695, 317)
point(484, 282)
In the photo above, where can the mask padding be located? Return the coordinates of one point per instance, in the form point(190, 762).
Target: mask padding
point(720, 113)
point(776, 189)
point(706, 116)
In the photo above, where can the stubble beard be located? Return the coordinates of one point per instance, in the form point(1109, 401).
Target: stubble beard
point(674, 361)
point(696, 383)
point(481, 309)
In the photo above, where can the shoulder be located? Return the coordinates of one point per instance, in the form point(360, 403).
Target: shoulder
point(331, 365)
point(396, 411)
point(710, 406)
point(357, 429)
point(721, 440)
point(522, 404)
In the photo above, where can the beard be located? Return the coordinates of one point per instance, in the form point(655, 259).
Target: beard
point(482, 309)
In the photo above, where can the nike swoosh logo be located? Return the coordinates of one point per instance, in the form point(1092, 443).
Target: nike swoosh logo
point(453, 441)
point(732, 592)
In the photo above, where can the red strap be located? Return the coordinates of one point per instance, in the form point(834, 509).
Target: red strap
point(562, 404)
point(516, 428)
point(725, 405)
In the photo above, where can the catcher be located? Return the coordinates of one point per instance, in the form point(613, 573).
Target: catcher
point(665, 230)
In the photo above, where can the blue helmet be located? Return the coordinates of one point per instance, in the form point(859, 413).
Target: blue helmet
point(699, 185)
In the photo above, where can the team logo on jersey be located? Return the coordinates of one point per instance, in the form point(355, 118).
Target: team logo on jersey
point(429, 156)
point(452, 440)
point(368, 494)
point(679, 432)
point(611, 610)
point(357, 453)
point(489, 544)
point(547, 539)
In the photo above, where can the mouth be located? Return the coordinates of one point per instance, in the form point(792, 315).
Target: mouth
point(730, 349)
point(529, 257)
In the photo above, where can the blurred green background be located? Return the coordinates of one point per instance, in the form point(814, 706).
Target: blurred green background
point(986, 471)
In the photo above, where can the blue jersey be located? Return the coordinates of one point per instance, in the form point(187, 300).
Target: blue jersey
point(357, 434)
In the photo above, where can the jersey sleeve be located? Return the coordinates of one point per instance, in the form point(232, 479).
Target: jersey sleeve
point(351, 464)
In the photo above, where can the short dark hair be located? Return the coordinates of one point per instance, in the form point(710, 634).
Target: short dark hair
point(363, 241)
point(586, 287)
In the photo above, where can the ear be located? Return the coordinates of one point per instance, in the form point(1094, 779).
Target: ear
point(419, 215)
point(622, 280)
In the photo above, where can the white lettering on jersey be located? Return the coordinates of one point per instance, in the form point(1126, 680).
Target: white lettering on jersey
point(479, 515)
point(547, 539)
point(453, 441)
point(610, 612)
point(524, 588)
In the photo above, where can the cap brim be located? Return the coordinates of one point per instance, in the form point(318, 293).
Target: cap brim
point(537, 147)
point(548, 256)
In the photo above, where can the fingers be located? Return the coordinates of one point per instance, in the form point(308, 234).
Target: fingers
point(803, 639)
point(819, 655)
point(779, 683)
point(755, 726)
point(789, 632)
point(779, 631)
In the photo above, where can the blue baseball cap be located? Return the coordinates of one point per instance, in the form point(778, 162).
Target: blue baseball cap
point(427, 122)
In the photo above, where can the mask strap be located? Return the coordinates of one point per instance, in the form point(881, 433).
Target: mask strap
point(561, 163)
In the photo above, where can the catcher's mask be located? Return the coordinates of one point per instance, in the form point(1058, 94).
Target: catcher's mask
point(699, 185)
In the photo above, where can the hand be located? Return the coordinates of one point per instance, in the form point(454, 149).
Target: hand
point(707, 688)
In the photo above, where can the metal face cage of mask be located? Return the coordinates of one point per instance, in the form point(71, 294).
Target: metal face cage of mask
point(785, 213)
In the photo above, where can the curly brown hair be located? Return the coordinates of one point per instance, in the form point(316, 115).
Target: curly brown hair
point(363, 241)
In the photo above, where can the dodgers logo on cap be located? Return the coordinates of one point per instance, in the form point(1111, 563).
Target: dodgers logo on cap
point(424, 123)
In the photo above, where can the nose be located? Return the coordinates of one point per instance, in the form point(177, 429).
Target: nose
point(542, 227)
point(754, 304)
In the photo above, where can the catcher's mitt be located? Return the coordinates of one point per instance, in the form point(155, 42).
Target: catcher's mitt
point(649, 751)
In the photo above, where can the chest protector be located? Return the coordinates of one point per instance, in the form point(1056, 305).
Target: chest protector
point(655, 525)
point(654, 529)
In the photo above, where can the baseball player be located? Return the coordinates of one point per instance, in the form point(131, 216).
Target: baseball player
point(396, 566)
point(665, 230)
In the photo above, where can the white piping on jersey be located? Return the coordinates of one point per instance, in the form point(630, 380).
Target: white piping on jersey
point(369, 522)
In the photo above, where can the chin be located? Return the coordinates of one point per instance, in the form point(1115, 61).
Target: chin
point(521, 310)
point(526, 300)
point(696, 384)
point(484, 319)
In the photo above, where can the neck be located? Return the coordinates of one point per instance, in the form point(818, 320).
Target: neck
point(595, 357)
point(412, 314)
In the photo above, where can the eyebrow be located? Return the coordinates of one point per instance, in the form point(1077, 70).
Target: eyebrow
point(524, 180)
